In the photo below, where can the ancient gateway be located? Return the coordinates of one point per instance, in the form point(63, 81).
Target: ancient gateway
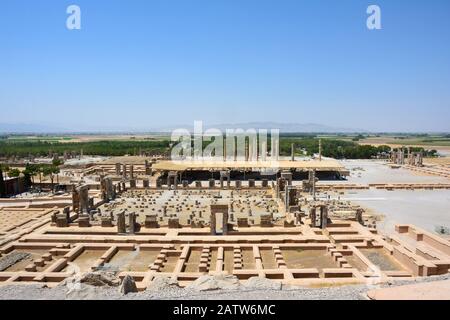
point(151, 217)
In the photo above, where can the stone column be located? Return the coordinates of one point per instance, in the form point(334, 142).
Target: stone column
point(312, 215)
point(131, 172)
point(132, 222)
point(225, 222)
point(320, 149)
point(145, 183)
point(121, 227)
point(117, 169)
point(83, 192)
point(148, 168)
point(212, 221)
point(324, 216)
point(359, 216)
point(75, 199)
point(265, 183)
point(287, 175)
point(124, 171)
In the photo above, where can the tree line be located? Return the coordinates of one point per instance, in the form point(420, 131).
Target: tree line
point(334, 148)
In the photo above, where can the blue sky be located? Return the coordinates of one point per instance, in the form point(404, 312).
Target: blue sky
point(144, 64)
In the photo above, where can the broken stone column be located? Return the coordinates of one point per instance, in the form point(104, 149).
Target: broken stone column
point(212, 183)
point(174, 223)
point(251, 183)
point(324, 216)
point(242, 223)
point(238, 184)
point(83, 221)
point(281, 183)
point(185, 183)
point(298, 218)
point(75, 199)
point(287, 176)
point(121, 226)
point(61, 221)
point(266, 221)
point(148, 168)
point(83, 194)
point(132, 222)
point(66, 212)
point(151, 221)
point(359, 216)
point(107, 189)
point(124, 171)
point(312, 216)
point(265, 183)
point(106, 222)
point(145, 183)
point(131, 171)
point(132, 183)
point(198, 184)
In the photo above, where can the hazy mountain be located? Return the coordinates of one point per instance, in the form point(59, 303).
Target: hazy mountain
point(284, 128)
point(28, 128)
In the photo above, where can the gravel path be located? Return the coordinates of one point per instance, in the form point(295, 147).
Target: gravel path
point(349, 292)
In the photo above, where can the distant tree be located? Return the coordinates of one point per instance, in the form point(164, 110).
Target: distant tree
point(50, 171)
point(31, 170)
point(13, 173)
point(57, 162)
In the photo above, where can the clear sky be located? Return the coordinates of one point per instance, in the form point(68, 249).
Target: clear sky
point(151, 63)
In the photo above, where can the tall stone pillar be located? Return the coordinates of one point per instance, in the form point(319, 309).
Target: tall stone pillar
point(312, 216)
point(124, 171)
point(324, 216)
point(148, 168)
point(83, 192)
point(75, 199)
point(320, 149)
point(359, 216)
point(131, 172)
point(121, 226)
point(212, 222)
point(132, 222)
point(117, 169)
